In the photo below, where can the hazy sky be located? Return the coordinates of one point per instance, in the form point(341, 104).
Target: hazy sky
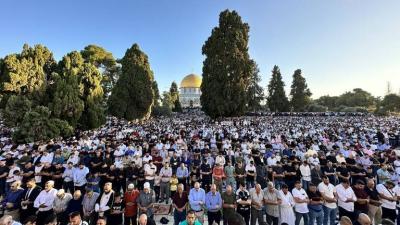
point(339, 45)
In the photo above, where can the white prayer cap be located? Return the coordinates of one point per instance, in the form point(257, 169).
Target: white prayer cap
point(146, 185)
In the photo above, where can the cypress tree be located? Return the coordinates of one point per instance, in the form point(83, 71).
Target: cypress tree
point(255, 91)
point(132, 96)
point(277, 100)
point(227, 67)
point(300, 93)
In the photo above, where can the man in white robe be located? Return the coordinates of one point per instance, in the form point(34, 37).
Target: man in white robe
point(286, 207)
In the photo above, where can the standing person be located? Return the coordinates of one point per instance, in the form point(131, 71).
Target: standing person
point(346, 199)
point(60, 205)
point(388, 198)
point(228, 203)
point(145, 201)
point(75, 205)
point(243, 202)
point(197, 198)
point(88, 203)
point(250, 174)
point(361, 205)
point(182, 173)
point(272, 201)
point(104, 202)
point(213, 205)
point(286, 207)
point(179, 203)
point(44, 202)
point(150, 173)
point(166, 174)
point(117, 210)
point(305, 171)
point(68, 176)
point(257, 202)
point(130, 199)
point(218, 175)
point(240, 174)
point(301, 200)
point(28, 197)
point(11, 203)
point(315, 205)
point(79, 177)
point(328, 193)
point(229, 171)
point(205, 175)
point(374, 206)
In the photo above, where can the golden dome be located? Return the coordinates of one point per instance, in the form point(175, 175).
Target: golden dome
point(191, 81)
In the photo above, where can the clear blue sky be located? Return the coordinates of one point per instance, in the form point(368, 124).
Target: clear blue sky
point(339, 44)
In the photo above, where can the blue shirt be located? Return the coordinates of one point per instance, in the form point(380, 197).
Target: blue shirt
point(213, 201)
point(195, 196)
point(181, 173)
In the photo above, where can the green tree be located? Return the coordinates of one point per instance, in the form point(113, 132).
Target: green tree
point(331, 102)
point(93, 114)
point(227, 67)
point(132, 96)
point(157, 97)
point(255, 91)
point(38, 125)
point(14, 112)
point(300, 93)
point(174, 97)
point(106, 63)
point(67, 103)
point(26, 73)
point(277, 100)
point(356, 98)
point(391, 103)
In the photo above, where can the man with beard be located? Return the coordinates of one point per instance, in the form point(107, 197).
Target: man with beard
point(228, 203)
point(44, 202)
point(374, 206)
point(28, 197)
point(105, 202)
point(57, 175)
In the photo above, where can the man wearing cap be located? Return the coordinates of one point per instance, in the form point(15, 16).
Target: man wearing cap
point(145, 200)
point(105, 201)
point(60, 205)
point(388, 199)
point(130, 198)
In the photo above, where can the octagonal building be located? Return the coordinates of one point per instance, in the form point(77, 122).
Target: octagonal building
point(189, 91)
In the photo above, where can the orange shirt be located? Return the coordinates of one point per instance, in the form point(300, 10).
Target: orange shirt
point(218, 173)
point(131, 197)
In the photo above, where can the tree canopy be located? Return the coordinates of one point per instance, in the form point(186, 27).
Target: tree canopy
point(227, 67)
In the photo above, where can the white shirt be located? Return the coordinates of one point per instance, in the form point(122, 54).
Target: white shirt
point(80, 176)
point(381, 188)
point(47, 158)
point(343, 195)
point(305, 172)
point(103, 202)
point(46, 198)
point(301, 194)
point(329, 191)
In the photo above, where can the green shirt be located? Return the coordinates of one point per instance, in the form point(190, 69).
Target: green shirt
point(228, 199)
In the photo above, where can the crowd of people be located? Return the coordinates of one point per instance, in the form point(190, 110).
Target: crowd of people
point(250, 170)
